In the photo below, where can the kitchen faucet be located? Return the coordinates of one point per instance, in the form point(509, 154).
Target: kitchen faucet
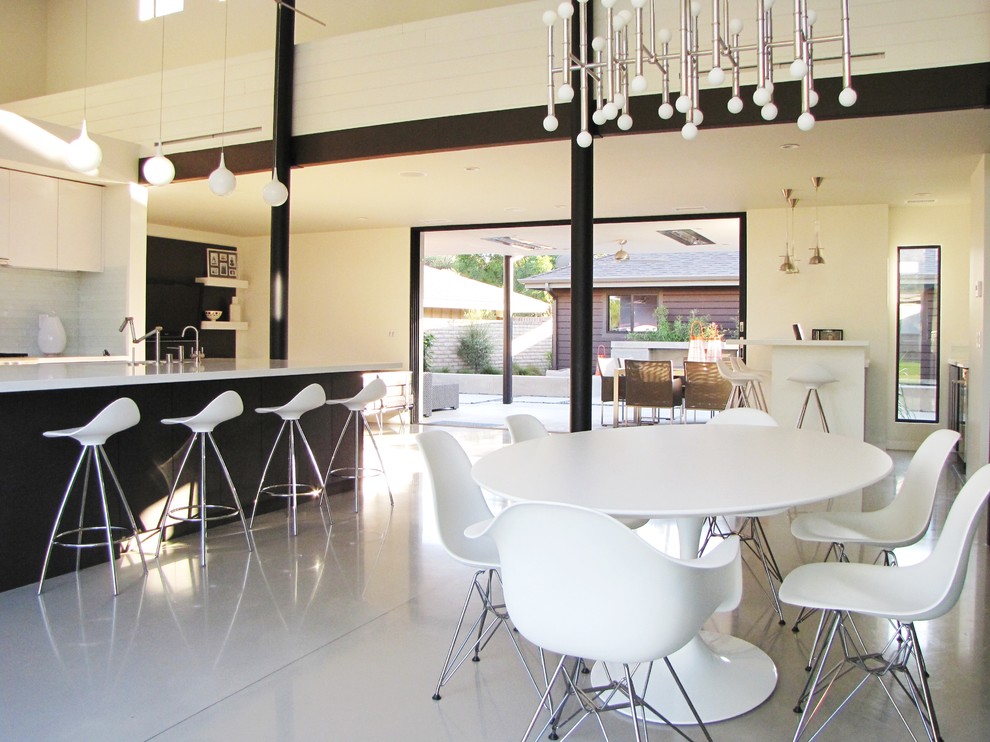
point(157, 332)
point(197, 354)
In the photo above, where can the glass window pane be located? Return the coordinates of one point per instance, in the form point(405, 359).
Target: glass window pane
point(644, 312)
point(917, 334)
point(619, 313)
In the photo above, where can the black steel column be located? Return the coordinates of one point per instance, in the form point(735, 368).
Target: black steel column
point(582, 255)
point(508, 281)
point(285, 51)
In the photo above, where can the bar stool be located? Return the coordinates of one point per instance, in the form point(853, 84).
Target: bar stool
point(115, 417)
point(813, 377)
point(226, 406)
point(310, 398)
point(754, 380)
point(374, 391)
point(739, 396)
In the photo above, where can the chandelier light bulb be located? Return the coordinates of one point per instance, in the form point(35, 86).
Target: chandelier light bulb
point(158, 170)
point(623, 19)
point(638, 84)
point(565, 10)
point(639, 3)
point(565, 93)
point(222, 181)
point(584, 139)
point(769, 111)
point(599, 117)
point(761, 96)
point(665, 111)
point(735, 104)
point(812, 16)
point(664, 35)
point(716, 75)
point(550, 123)
point(83, 154)
point(847, 97)
point(697, 117)
point(611, 111)
point(806, 121)
point(549, 18)
point(608, 3)
point(682, 104)
point(598, 44)
point(768, 4)
point(799, 68)
point(812, 98)
point(735, 26)
point(695, 8)
point(275, 193)
point(625, 122)
point(620, 100)
point(689, 131)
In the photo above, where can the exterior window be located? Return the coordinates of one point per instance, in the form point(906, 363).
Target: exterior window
point(632, 312)
point(148, 9)
point(918, 289)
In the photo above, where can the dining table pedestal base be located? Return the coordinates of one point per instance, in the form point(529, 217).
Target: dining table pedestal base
point(724, 676)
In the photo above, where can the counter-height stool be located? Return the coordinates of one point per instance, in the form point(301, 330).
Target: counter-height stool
point(355, 405)
point(226, 406)
point(115, 417)
point(311, 398)
point(814, 377)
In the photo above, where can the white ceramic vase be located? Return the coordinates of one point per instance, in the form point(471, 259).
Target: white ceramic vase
point(51, 334)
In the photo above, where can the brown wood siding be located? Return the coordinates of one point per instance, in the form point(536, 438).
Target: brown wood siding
point(721, 304)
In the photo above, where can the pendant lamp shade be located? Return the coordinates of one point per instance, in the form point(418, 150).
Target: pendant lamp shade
point(158, 170)
point(83, 154)
point(222, 181)
point(275, 193)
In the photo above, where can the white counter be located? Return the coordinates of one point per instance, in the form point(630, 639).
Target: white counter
point(33, 377)
point(844, 400)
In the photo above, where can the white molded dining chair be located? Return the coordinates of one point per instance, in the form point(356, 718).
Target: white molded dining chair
point(523, 427)
point(626, 603)
point(902, 595)
point(750, 529)
point(901, 523)
point(460, 503)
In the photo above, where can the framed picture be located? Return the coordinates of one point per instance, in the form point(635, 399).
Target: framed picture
point(221, 263)
point(826, 334)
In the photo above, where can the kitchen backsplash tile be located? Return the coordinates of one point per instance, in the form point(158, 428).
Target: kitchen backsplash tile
point(25, 294)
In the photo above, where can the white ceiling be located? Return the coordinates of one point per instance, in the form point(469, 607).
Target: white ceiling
point(889, 160)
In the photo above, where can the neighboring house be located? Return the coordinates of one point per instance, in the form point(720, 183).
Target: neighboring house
point(628, 292)
point(451, 302)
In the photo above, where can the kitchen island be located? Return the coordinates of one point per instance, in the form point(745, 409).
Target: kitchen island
point(35, 397)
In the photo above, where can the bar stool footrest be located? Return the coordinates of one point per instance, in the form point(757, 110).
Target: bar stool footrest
point(223, 512)
point(101, 531)
point(360, 472)
point(289, 490)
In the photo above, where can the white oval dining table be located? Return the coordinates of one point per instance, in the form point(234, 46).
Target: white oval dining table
point(689, 472)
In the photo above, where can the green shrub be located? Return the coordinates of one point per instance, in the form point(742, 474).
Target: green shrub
point(474, 348)
point(428, 339)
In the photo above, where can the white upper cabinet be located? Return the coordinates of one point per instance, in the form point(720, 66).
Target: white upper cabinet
point(49, 223)
point(80, 226)
point(4, 216)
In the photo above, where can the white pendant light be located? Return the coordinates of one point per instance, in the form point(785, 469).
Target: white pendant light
point(222, 181)
point(275, 193)
point(83, 154)
point(158, 170)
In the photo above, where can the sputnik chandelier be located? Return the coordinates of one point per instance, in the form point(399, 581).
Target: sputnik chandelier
point(617, 64)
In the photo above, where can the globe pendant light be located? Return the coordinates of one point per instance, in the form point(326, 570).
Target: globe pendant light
point(83, 154)
point(159, 170)
point(275, 193)
point(222, 181)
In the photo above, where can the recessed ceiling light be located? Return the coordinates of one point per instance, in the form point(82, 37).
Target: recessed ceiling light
point(790, 145)
point(928, 200)
point(923, 194)
point(362, 218)
point(412, 174)
point(472, 169)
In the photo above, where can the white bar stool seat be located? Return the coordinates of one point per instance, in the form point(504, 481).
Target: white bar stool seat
point(754, 380)
point(226, 406)
point(311, 398)
point(115, 417)
point(814, 377)
point(355, 405)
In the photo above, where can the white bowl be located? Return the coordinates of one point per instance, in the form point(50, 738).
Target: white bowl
point(213, 314)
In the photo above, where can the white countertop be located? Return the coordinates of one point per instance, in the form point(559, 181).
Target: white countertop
point(816, 344)
point(71, 374)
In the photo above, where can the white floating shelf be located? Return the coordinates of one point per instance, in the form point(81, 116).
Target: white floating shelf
point(224, 283)
point(207, 325)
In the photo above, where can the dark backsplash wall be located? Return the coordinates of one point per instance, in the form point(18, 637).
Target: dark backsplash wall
point(175, 300)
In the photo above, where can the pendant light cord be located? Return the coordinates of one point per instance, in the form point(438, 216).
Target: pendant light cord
point(85, 57)
point(223, 102)
point(161, 88)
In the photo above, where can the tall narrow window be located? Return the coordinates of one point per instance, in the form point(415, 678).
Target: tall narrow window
point(918, 288)
point(148, 9)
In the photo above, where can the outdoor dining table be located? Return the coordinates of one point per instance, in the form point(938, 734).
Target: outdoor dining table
point(689, 472)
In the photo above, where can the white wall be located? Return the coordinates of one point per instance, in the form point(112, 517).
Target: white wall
point(978, 419)
point(849, 292)
point(947, 227)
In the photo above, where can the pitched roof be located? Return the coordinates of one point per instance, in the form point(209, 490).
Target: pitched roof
point(445, 289)
point(654, 269)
